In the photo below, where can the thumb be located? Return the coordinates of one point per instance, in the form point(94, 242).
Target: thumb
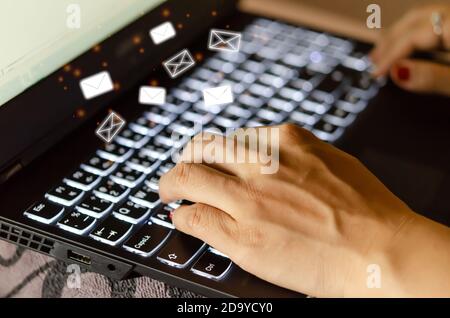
point(213, 226)
point(422, 76)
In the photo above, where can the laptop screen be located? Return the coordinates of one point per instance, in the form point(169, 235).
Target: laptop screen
point(38, 37)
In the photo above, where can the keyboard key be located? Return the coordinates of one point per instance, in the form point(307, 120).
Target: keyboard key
point(77, 223)
point(115, 152)
point(304, 117)
point(181, 250)
point(312, 106)
point(111, 191)
point(99, 166)
point(160, 116)
point(111, 231)
point(162, 216)
point(352, 102)
point(132, 139)
point(127, 176)
point(45, 212)
point(146, 126)
point(147, 240)
point(331, 84)
point(82, 180)
point(94, 206)
point(157, 149)
point(326, 131)
point(146, 196)
point(141, 162)
point(65, 195)
point(131, 212)
point(339, 117)
point(212, 266)
point(163, 169)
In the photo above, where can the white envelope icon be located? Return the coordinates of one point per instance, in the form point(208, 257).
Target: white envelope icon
point(152, 95)
point(179, 63)
point(110, 127)
point(221, 40)
point(96, 85)
point(218, 95)
point(162, 33)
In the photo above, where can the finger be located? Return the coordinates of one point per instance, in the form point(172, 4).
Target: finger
point(421, 37)
point(395, 33)
point(422, 76)
point(211, 225)
point(201, 184)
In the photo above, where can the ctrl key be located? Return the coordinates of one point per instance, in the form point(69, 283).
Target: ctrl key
point(212, 266)
point(181, 250)
point(44, 212)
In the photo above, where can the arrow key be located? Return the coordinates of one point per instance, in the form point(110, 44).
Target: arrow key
point(181, 250)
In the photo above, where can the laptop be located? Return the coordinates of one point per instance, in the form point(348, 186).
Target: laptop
point(78, 192)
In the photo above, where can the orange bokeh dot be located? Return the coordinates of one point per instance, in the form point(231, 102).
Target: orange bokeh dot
point(137, 39)
point(67, 68)
point(154, 82)
point(188, 15)
point(80, 113)
point(180, 25)
point(60, 79)
point(116, 86)
point(199, 56)
point(77, 72)
point(97, 48)
point(214, 13)
point(105, 64)
point(141, 50)
point(166, 13)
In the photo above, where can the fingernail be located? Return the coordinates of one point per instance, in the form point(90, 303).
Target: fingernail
point(403, 73)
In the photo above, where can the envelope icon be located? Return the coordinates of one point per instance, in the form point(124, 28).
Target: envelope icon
point(152, 95)
point(162, 33)
point(218, 95)
point(110, 127)
point(221, 40)
point(96, 85)
point(179, 63)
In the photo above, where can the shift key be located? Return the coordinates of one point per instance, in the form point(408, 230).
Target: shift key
point(181, 250)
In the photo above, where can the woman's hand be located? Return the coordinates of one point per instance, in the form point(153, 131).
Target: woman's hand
point(314, 226)
point(415, 32)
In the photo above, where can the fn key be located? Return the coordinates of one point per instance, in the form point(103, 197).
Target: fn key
point(181, 250)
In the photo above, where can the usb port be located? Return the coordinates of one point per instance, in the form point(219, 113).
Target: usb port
point(86, 260)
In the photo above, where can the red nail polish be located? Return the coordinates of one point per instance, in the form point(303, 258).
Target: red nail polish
point(403, 73)
point(171, 215)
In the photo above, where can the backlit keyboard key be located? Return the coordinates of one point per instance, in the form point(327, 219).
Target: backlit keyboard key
point(127, 176)
point(94, 206)
point(111, 191)
point(146, 126)
point(65, 195)
point(45, 212)
point(77, 223)
point(132, 212)
point(141, 162)
point(146, 196)
point(82, 180)
point(147, 240)
point(99, 166)
point(180, 250)
point(212, 266)
point(111, 231)
point(162, 216)
point(131, 139)
point(115, 152)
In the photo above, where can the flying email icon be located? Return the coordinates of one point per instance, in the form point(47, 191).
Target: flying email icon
point(110, 127)
point(221, 40)
point(96, 85)
point(218, 96)
point(162, 33)
point(152, 95)
point(179, 63)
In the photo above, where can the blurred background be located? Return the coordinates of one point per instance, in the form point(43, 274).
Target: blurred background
point(343, 16)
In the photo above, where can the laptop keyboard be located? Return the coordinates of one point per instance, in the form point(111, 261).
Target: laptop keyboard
point(282, 74)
